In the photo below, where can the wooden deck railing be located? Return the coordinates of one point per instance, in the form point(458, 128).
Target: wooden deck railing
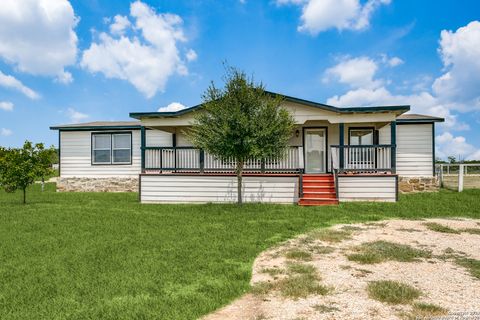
point(189, 159)
point(363, 158)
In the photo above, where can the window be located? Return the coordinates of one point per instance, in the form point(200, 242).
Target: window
point(361, 137)
point(112, 148)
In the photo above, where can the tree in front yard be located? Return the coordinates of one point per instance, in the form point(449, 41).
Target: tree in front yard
point(241, 122)
point(20, 167)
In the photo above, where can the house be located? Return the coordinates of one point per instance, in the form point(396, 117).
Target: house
point(335, 154)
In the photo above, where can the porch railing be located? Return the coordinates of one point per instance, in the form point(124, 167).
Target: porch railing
point(189, 159)
point(363, 158)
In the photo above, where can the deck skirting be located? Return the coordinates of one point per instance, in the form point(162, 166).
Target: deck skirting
point(380, 188)
point(197, 188)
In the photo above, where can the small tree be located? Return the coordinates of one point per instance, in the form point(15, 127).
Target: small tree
point(20, 167)
point(241, 121)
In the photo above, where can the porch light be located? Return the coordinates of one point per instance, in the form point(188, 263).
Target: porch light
point(297, 133)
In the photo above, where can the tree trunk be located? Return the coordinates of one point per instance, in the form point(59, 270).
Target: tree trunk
point(24, 195)
point(239, 181)
point(43, 183)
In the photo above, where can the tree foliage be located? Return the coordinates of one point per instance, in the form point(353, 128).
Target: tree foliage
point(20, 167)
point(241, 121)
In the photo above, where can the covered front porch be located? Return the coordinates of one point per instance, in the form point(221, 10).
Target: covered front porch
point(315, 148)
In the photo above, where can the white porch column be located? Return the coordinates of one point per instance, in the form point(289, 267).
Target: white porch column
point(301, 162)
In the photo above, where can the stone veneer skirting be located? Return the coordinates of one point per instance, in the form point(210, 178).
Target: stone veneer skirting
point(405, 184)
point(97, 184)
point(417, 184)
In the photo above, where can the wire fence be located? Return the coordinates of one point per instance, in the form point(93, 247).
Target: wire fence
point(459, 176)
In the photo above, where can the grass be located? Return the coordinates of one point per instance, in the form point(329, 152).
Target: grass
point(380, 251)
point(301, 268)
point(301, 282)
point(297, 254)
point(472, 265)
point(330, 235)
point(421, 310)
point(472, 230)
point(440, 228)
point(321, 249)
point(301, 286)
point(105, 256)
point(392, 292)
point(273, 271)
point(262, 287)
point(323, 308)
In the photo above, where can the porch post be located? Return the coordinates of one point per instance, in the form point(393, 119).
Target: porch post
point(341, 142)
point(393, 142)
point(142, 141)
point(202, 160)
point(174, 145)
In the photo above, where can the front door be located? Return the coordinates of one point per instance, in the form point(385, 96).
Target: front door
point(315, 150)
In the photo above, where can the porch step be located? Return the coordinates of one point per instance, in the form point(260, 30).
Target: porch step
point(316, 179)
point(319, 195)
point(318, 183)
point(317, 202)
point(318, 190)
point(307, 189)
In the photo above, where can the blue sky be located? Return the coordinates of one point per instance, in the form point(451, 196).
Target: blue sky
point(88, 60)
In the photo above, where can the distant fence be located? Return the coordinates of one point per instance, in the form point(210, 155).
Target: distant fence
point(459, 176)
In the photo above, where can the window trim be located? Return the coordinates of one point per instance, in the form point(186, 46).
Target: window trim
point(361, 128)
point(111, 134)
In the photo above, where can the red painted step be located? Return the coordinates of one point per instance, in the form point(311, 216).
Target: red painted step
point(330, 188)
point(321, 195)
point(318, 190)
point(317, 202)
point(307, 178)
point(318, 184)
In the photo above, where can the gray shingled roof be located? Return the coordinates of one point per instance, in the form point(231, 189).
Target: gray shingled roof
point(418, 117)
point(99, 124)
point(136, 124)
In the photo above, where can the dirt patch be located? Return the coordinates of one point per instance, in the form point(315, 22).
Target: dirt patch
point(439, 276)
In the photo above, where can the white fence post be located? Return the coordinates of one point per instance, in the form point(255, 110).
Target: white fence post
point(460, 178)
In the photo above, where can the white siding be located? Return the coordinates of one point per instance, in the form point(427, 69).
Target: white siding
point(367, 188)
point(158, 138)
point(414, 150)
point(182, 140)
point(384, 134)
point(205, 188)
point(75, 157)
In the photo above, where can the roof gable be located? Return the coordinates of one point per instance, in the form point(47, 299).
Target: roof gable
point(398, 109)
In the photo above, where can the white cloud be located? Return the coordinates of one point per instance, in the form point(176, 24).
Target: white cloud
point(120, 24)
point(460, 52)
point(191, 55)
point(321, 15)
point(64, 77)
point(76, 116)
point(474, 156)
point(11, 82)
point(6, 106)
point(172, 107)
point(148, 58)
point(6, 132)
point(448, 145)
point(356, 72)
point(37, 36)
point(394, 61)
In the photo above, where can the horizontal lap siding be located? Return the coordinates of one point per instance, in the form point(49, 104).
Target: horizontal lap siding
point(372, 188)
point(202, 189)
point(414, 150)
point(75, 157)
point(158, 138)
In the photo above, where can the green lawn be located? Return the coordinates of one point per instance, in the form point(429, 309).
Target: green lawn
point(105, 256)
